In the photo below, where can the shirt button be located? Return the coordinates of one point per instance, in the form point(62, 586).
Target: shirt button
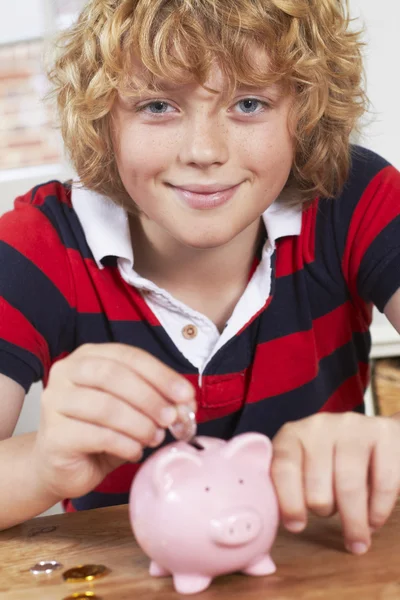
point(189, 332)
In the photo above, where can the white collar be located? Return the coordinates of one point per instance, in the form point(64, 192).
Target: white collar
point(107, 233)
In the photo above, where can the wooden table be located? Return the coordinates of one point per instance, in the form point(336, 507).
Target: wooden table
point(311, 565)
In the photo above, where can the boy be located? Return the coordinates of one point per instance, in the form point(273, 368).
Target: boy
point(224, 251)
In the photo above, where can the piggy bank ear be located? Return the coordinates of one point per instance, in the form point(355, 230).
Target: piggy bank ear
point(254, 448)
point(173, 468)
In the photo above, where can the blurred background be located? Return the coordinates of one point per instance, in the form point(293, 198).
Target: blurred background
point(31, 149)
point(28, 137)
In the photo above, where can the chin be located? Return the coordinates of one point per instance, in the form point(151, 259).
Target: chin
point(207, 240)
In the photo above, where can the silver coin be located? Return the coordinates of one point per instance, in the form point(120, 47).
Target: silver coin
point(45, 567)
point(185, 427)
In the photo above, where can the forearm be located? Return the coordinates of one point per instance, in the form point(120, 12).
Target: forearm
point(21, 496)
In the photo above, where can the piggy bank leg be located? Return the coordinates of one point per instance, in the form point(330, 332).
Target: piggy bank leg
point(264, 565)
point(157, 571)
point(191, 584)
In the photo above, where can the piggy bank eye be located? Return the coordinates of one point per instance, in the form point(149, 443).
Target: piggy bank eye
point(241, 481)
point(207, 489)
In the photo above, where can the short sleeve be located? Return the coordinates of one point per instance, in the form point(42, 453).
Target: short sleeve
point(371, 258)
point(36, 297)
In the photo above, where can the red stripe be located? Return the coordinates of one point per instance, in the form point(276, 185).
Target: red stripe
point(308, 228)
point(118, 481)
point(17, 330)
point(53, 188)
point(378, 206)
point(303, 351)
point(68, 506)
point(350, 394)
point(104, 291)
point(293, 252)
point(30, 233)
point(273, 376)
point(336, 329)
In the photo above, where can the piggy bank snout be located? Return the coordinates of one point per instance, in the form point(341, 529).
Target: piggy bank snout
point(236, 528)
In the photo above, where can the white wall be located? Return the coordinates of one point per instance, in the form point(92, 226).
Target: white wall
point(21, 20)
point(382, 57)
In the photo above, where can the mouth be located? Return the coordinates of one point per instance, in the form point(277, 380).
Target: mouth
point(205, 197)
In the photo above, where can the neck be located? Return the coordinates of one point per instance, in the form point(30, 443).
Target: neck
point(210, 280)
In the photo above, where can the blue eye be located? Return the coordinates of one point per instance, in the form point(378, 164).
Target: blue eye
point(250, 105)
point(157, 107)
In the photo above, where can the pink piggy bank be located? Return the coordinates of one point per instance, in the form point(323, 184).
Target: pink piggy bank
point(202, 513)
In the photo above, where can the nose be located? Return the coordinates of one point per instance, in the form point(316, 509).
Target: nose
point(205, 142)
point(236, 529)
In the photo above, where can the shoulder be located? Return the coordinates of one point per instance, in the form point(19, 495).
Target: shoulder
point(31, 216)
point(368, 172)
point(373, 184)
point(32, 248)
point(45, 217)
point(365, 163)
point(54, 190)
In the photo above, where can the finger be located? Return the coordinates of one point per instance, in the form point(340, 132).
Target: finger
point(131, 388)
point(351, 490)
point(287, 476)
point(384, 481)
point(87, 438)
point(318, 480)
point(169, 384)
point(105, 410)
point(116, 379)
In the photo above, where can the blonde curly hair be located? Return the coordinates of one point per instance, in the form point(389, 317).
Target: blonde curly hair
point(312, 50)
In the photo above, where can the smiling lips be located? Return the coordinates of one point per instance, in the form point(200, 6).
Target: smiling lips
point(205, 197)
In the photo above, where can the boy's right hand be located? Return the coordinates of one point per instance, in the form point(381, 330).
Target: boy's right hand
point(103, 404)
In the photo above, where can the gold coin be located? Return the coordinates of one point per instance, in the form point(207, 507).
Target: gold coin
point(80, 595)
point(85, 573)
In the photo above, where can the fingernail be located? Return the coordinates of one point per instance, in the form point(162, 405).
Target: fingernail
point(159, 437)
point(295, 526)
point(182, 391)
point(357, 548)
point(168, 415)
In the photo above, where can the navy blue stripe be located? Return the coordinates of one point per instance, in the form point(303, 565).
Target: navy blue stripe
point(66, 223)
point(364, 168)
point(305, 295)
point(95, 328)
point(379, 272)
point(25, 287)
point(237, 354)
point(20, 365)
point(99, 500)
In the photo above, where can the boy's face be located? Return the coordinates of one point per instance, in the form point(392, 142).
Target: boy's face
point(187, 140)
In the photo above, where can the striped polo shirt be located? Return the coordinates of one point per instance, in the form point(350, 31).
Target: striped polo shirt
point(297, 342)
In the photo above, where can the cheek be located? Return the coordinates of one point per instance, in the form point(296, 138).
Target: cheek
point(268, 152)
point(143, 154)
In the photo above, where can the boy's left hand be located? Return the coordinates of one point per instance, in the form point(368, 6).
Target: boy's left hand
point(345, 462)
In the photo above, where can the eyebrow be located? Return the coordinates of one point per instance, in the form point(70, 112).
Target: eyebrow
point(171, 87)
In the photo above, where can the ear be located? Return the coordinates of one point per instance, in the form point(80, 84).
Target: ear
point(254, 448)
point(174, 467)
